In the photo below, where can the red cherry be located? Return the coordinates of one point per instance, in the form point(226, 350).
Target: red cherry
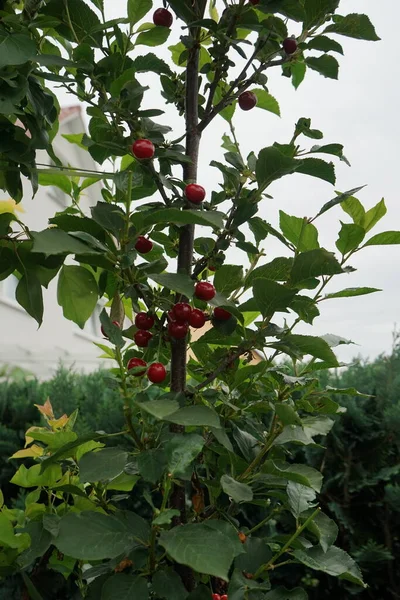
point(221, 314)
point(195, 193)
point(178, 330)
point(143, 244)
point(144, 320)
point(143, 149)
point(247, 100)
point(156, 373)
point(224, 597)
point(162, 17)
point(289, 45)
point(142, 338)
point(204, 290)
point(211, 268)
point(182, 311)
point(216, 597)
point(197, 318)
point(137, 362)
point(114, 323)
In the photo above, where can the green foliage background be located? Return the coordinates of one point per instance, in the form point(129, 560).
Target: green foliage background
point(360, 460)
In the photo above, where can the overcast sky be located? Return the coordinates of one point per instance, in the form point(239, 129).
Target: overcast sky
point(361, 112)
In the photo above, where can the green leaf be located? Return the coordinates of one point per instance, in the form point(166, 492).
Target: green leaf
point(293, 434)
point(270, 296)
point(353, 25)
point(195, 416)
point(181, 451)
point(298, 71)
point(15, 48)
point(109, 216)
point(77, 293)
point(316, 11)
point(33, 477)
point(266, 101)
point(325, 44)
point(303, 235)
point(61, 181)
point(8, 537)
point(333, 562)
point(167, 584)
point(177, 282)
point(125, 587)
point(287, 414)
point(29, 295)
point(374, 214)
point(340, 199)
point(294, 472)
point(137, 9)
point(272, 164)
point(202, 548)
point(228, 278)
point(102, 465)
point(313, 264)
point(152, 464)
point(317, 168)
point(308, 344)
point(56, 241)
point(213, 219)
point(351, 292)
point(326, 65)
point(93, 536)
point(151, 62)
point(300, 498)
point(165, 517)
point(325, 529)
point(355, 209)
point(281, 593)
point(159, 409)
point(350, 237)
point(277, 270)
point(239, 492)
point(153, 37)
point(384, 239)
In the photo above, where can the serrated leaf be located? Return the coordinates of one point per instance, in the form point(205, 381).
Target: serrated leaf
point(159, 408)
point(201, 548)
point(294, 472)
point(272, 164)
point(353, 25)
point(303, 235)
point(271, 296)
point(239, 492)
point(325, 44)
point(155, 36)
point(334, 562)
point(92, 536)
point(374, 215)
point(351, 292)
point(77, 293)
point(384, 239)
point(195, 416)
point(340, 199)
point(315, 346)
point(314, 263)
point(151, 62)
point(125, 587)
point(56, 241)
point(316, 11)
point(326, 65)
point(102, 465)
point(319, 168)
point(181, 451)
point(29, 295)
point(228, 278)
point(325, 530)
point(176, 282)
point(137, 9)
point(266, 101)
point(300, 498)
point(350, 237)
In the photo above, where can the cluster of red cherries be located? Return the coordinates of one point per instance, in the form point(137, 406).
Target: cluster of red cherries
point(218, 597)
point(180, 318)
